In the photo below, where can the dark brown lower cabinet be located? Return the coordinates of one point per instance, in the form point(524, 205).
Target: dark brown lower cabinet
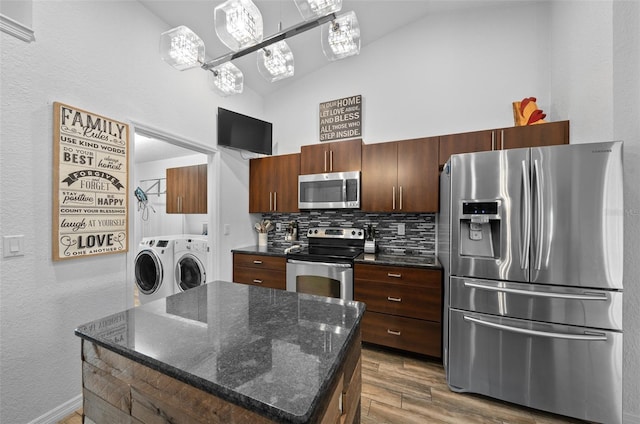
point(404, 307)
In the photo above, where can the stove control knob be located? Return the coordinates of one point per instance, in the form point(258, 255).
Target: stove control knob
point(359, 233)
point(353, 232)
point(315, 231)
point(310, 231)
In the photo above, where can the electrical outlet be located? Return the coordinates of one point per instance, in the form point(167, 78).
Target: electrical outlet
point(227, 229)
point(400, 229)
point(278, 226)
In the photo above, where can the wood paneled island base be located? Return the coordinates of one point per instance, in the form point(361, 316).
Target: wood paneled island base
point(119, 390)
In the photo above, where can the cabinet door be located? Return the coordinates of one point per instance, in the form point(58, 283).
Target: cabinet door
point(260, 185)
point(287, 169)
point(477, 141)
point(187, 189)
point(417, 175)
point(379, 177)
point(548, 134)
point(345, 156)
point(339, 156)
point(314, 159)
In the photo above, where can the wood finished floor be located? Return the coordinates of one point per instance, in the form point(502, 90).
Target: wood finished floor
point(405, 389)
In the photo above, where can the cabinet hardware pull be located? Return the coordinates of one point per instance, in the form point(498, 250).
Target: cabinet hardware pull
point(394, 275)
point(501, 139)
point(331, 160)
point(257, 262)
point(179, 204)
point(493, 140)
point(394, 299)
point(400, 197)
point(270, 202)
point(393, 332)
point(325, 161)
point(275, 201)
point(393, 193)
point(257, 281)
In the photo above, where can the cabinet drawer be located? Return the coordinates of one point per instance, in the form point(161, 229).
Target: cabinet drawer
point(399, 275)
point(398, 299)
point(264, 278)
point(259, 261)
point(402, 333)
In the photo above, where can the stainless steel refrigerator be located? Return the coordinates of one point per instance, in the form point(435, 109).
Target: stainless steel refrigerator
point(531, 241)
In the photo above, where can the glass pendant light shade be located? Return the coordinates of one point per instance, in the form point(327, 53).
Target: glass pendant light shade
point(238, 24)
point(227, 79)
point(316, 8)
point(275, 62)
point(181, 48)
point(341, 37)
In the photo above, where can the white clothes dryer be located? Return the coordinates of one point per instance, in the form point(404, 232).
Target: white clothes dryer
point(190, 261)
point(154, 268)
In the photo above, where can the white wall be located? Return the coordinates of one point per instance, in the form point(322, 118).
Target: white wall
point(102, 57)
point(444, 74)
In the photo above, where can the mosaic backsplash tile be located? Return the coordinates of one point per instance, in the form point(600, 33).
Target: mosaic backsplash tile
point(419, 237)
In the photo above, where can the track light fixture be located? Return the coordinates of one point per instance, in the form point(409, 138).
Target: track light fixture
point(238, 24)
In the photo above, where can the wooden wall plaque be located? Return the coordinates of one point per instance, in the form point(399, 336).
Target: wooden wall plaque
point(90, 184)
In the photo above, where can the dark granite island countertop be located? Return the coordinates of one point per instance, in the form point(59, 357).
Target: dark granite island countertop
point(239, 353)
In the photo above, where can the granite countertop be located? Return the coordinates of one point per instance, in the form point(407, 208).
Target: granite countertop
point(402, 259)
point(270, 351)
point(270, 250)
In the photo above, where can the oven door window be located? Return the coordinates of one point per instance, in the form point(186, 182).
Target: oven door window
point(322, 286)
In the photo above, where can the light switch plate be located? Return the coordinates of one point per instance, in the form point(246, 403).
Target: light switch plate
point(400, 229)
point(13, 246)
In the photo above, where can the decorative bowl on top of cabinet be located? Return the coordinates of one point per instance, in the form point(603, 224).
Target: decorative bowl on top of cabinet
point(187, 189)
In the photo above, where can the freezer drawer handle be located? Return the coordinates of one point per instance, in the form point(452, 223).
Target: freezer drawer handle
point(594, 296)
point(394, 299)
point(596, 337)
point(394, 333)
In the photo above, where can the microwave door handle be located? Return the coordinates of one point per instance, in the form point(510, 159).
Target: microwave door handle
point(344, 189)
point(525, 218)
point(596, 337)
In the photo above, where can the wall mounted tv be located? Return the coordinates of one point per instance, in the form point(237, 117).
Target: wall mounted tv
point(243, 132)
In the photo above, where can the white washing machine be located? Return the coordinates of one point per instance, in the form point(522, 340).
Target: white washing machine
point(191, 253)
point(154, 268)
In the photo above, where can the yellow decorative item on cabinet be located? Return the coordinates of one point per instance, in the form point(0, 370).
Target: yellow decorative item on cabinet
point(526, 112)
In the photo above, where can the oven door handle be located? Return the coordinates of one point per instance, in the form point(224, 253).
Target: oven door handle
point(328, 264)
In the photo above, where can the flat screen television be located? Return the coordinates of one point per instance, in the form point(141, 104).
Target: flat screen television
point(243, 132)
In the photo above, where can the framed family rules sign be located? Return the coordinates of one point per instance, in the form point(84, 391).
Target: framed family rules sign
point(90, 184)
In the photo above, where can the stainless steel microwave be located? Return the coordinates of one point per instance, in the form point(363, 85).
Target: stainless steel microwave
point(335, 190)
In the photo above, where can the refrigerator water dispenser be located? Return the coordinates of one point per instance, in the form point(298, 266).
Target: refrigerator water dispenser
point(480, 225)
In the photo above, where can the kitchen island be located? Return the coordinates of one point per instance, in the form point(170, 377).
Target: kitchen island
point(225, 353)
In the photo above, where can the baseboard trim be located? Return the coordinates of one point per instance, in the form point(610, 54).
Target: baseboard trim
point(61, 412)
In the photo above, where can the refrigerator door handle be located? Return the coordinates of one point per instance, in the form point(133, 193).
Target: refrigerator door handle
point(525, 227)
point(595, 337)
point(539, 215)
point(568, 296)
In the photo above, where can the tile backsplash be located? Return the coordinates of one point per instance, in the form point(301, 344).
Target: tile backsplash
point(419, 237)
